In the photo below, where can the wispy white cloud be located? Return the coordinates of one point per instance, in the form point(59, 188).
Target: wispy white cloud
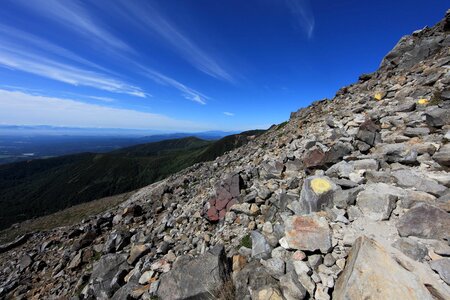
point(18, 57)
point(186, 91)
point(20, 108)
point(147, 15)
point(73, 15)
point(104, 99)
point(27, 41)
point(226, 113)
point(303, 14)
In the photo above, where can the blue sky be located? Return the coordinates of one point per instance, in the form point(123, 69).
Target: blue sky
point(189, 65)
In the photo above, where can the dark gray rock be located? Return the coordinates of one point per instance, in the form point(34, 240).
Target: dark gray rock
point(411, 248)
point(316, 194)
point(425, 221)
point(291, 288)
point(252, 277)
point(412, 179)
point(368, 133)
point(443, 155)
point(442, 267)
point(344, 198)
point(437, 117)
point(104, 272)
point(195, 278)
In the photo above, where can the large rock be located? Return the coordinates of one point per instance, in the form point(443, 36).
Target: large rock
point(195, 278)
point(371, 272)
point(227, 194)
point(260, 246)
point(317, 158)
point(317, 194)
point(443, 155)
point(437, 117)
point(409, 179)
point(252, 277)
point(425, 221)
point(104, 272)
point(377, 201)
point(309, 233)
point(442, 267)
point(368, 132)
point(291, 288)
point(411, 248)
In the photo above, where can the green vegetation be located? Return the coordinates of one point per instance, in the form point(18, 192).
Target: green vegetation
point(436, 98)
point(40, 187)
point(246, 241)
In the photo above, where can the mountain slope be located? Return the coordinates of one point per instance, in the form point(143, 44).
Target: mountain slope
point(40, 187)
point(347, 200)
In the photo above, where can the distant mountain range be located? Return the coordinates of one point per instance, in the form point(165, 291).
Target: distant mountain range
point(38, 187)
point(18, 143)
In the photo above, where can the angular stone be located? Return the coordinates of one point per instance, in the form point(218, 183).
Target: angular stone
point(373, 273)
point(146, 277)
point(443, 155)
point(400, 152)
point(442, 267)
point(437, 117)
point(416, 131)
point(252, 277)
point(366, 164)
point(136, 252)
point(408, 178)
point(195, 278)
point(309, 233)
point(274, 266)
point(344, 198)
point(317, 194)
point(425, 221)
point(103, 273)
point(260, 246)
point(368, 133)
point(291, 288)
point(376, 201)
point(411, 248)
point(267, 293)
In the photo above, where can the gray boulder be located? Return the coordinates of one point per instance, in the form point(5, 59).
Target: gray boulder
point(260, 246)
point(195, 278)
point(425, 221)
point(409, 179)
point(252, 277)
point(291, 288)
point(316, 194)
point(443, 155)
point(411, 248)
point(437, 117)
point(377, 201)
point(104, 272)
point(442, 267)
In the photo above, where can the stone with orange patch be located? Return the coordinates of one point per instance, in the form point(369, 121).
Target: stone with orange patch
point(308, 233)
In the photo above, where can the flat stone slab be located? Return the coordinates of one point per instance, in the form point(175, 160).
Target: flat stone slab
point(309, 233)
point(425, 221)
point(371, 272)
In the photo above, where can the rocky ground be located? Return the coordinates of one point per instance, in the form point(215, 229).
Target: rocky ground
point(350, 199)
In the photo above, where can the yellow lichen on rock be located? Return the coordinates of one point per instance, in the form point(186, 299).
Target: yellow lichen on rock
point(378, 96)
point(320, 185)
point(423, 101)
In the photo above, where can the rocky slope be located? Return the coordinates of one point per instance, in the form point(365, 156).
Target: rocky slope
point(348, 200)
